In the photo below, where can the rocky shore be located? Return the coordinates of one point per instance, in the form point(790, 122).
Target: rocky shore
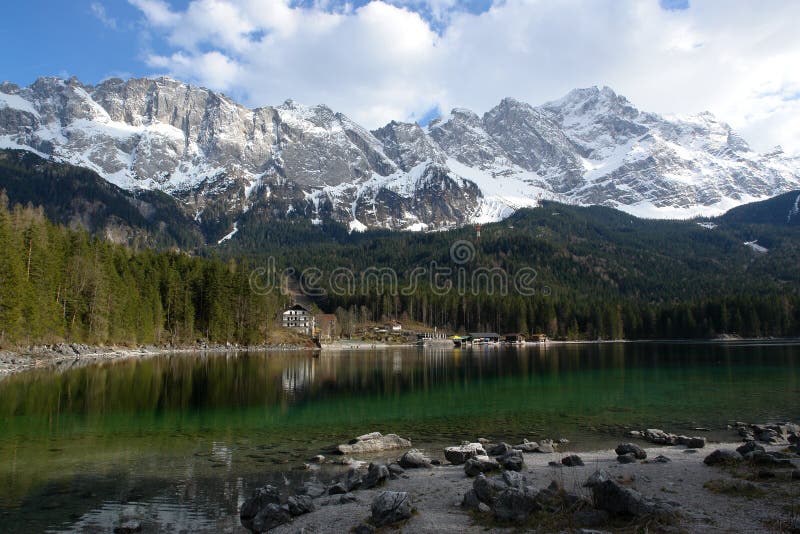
point(69, 355)
point(680, 485)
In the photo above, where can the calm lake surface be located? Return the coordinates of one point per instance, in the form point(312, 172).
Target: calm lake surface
point(178, 441)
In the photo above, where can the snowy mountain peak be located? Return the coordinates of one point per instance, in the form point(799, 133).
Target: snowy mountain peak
point(592, 146)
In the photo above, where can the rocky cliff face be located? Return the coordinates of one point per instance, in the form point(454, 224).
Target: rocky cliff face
point(222, 159)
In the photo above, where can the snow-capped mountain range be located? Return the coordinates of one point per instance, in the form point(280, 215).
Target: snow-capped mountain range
point(590, 147)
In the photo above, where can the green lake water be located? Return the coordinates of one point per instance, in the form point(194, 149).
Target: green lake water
point(178, 441)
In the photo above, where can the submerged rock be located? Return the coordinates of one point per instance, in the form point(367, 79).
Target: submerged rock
point(390, 507)
point(750, 446)
point(373, 442)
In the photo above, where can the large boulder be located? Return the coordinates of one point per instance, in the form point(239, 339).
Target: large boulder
point(619, 500)
point(480, 464)
point(515, 504)
point(462, 453)
point(374, 442)
point(486, 489)
point(262, 497)
point(627, 458)
point(414, 459)
point(626, 448)
point(722, 456)
point(390, 507)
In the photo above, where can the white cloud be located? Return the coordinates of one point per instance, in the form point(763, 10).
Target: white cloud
point(99, 11)
point(386, 61)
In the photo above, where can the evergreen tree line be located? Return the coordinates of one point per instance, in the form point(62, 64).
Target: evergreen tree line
point(58, 284)
point(587, 318)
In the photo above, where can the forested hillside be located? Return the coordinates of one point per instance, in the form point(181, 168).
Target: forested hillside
point(59, 284)
point(600, 273)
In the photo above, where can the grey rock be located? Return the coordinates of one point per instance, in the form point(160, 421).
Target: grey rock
point(262, 497)
point(376, 475)
point(337, 489)
point(471, 500)
point(637, 451)
point(722, 456)
point(750, 446)
point(348, 498)
point(660, 459)
point(527, 446)
point(775, 459)
point(269, 517)
point(300, 504)
point(513, 460)
point(514, 504)
point(390, 507)
point(351, 480)
point(619, 500)
point(486, 489)
point(513, 479)
point(374, 442)
point(589, 517)
point(313, 489)
point(396, 470)
point(480, 464)
point(627, 458)
point(363, 528)
point(547, 446)
point(462, 453)
point(499, 449)
point(414, 459)
point(573, 460)
point(597, 477)
point(695, 443)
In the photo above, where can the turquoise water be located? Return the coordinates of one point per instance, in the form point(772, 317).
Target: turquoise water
point(176, 441)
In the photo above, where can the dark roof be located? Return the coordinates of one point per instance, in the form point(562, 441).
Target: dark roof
point(484, 334)
point(296, 307)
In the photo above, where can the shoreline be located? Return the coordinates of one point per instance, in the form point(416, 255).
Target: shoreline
point(696, 493)
point(69, 355)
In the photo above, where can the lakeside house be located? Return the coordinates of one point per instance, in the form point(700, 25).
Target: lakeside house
point(300, 319)
point(326, 326)
point(514, 338)
point(541, 338)
point(484, 337)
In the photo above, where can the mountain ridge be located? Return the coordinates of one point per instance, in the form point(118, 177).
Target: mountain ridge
point(222, 159)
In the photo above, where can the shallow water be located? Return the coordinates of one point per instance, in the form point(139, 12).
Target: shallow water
point(178, 441)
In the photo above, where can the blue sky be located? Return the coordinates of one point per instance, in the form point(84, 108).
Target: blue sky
point(415, 59)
